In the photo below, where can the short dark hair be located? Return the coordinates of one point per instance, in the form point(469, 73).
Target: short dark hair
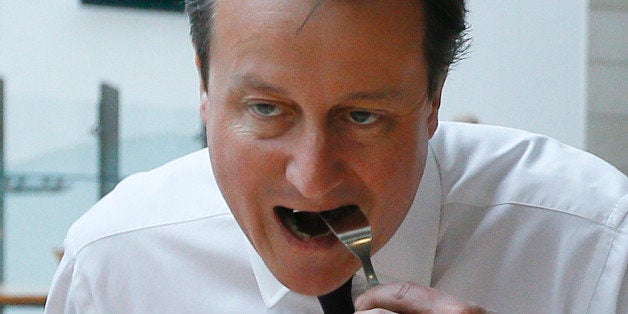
point(446, 38)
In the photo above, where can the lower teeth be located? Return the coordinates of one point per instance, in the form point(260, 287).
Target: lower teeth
point(305, 236)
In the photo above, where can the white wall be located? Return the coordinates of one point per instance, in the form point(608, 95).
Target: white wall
point(607, 131)
point(54, 54)
point(526, 67)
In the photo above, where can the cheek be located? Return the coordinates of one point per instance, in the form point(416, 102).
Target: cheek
point(237, 166)
point(396, 180)
point(237, 181)
point(244, 170)
point(400, 176)
point(234, 167)
point(397, 165)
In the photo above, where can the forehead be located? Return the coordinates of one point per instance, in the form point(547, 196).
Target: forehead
point(394, 20)
point(333, 44)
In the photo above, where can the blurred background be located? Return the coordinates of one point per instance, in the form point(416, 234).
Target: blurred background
point(552, 67)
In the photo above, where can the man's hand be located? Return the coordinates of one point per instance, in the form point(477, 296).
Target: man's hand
point(408, 297)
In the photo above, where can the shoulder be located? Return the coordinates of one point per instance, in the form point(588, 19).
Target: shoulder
point(547, 214)
point(180, 191)
point(488, 165)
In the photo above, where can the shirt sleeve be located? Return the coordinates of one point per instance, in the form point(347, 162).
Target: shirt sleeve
point(60, 297)
point(622, 304)
point(611, 294)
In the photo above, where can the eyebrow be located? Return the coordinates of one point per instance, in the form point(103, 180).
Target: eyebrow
point(374, 95)
point(256, 83)
point(250, 81)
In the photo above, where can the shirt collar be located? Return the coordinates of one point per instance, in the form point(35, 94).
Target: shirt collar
point(409, 255)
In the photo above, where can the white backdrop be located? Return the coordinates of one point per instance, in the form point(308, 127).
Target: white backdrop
point(526, 67)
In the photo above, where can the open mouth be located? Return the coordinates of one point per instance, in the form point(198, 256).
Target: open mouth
point(307, 225)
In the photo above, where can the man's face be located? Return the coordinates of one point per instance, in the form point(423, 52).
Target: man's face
point(313, 117)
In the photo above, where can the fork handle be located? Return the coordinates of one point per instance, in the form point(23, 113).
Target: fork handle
point(369, 272)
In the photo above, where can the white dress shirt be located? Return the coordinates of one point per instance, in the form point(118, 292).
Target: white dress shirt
point(513, 221)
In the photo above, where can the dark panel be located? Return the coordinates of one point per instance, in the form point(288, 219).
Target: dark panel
point(167, 5)
point(108, 138)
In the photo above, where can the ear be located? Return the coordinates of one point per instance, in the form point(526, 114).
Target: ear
point(204, 109)
point(434, 103)
point(203, 91)
point(205, 105)
point(203, 85)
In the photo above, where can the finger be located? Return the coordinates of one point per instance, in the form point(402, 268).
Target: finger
point(408, 297)
point(399, 297)
point(375, 311)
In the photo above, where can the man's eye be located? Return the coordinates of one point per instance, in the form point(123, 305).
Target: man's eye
point(363, 117)
point(265, 110)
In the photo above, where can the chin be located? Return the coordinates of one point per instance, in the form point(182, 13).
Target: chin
point(307, 279)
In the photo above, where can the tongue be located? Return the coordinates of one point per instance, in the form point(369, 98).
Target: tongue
point(310, 223)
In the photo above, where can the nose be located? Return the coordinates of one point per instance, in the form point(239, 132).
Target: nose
point(313, 169)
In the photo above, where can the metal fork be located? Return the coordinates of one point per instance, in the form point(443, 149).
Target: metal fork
point(354, 231)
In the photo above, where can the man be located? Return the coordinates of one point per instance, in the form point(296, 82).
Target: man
point(315, 106)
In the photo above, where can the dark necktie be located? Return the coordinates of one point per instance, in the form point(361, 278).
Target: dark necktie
point(338, 301)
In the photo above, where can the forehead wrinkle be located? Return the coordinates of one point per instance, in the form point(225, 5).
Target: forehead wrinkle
point(314, 10)
point(245, 19)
